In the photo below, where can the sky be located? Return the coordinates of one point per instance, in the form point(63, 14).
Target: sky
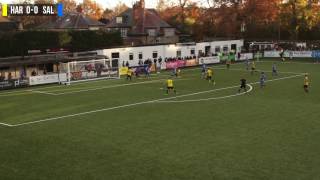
point(113, 3)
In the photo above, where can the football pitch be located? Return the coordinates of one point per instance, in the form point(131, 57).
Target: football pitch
point(119, 129)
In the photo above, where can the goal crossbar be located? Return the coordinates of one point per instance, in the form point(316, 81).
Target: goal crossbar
point(80, 71)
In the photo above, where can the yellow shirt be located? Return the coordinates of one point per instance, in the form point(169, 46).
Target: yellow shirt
point(306, 81)
point(170, 83)
point(253, 64)
point(210, 72)
point(129, 72)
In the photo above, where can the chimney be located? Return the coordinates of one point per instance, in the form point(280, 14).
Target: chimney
point(139, 15)
point(142, 4)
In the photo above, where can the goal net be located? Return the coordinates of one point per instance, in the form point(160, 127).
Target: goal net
point(78, 71)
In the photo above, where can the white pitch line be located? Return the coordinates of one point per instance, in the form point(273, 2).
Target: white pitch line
point(261, 70)
point(277, 79)
point(94, 111)
point(290, 62)
point(208, 99)
point(22, 92)
point(16, 94)
point(12, 92)
point(163, 74)
point(80, 89)
point(230, 87)
point(113, 86)
point(4, 124)
point(43, 92)
point(132, 104)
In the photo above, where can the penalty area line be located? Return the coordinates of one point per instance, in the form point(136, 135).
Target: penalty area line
point(259, 70)
point(43, 92)
point(208, 99)
point(116, 107)
point(114, 86)
point(134, 104)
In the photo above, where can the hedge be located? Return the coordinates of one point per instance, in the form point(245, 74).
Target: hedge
point(18, 43)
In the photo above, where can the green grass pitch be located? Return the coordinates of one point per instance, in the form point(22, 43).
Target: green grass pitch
point(115, 129)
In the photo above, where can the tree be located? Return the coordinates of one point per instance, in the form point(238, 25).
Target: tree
point(120, 7)
point(161, 5)
point(108, 14)
point(300, 16)
point(91, 9)
point(261, 18)
point(68, 5)
point(182, 5)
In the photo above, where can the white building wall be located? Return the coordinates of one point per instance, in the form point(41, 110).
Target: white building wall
point(165, 51)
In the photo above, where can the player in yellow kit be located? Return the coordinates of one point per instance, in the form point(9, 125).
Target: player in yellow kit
point(306, 83)
point(170, 86)
point(210, 76)
point(253, 67)
point(129, 74)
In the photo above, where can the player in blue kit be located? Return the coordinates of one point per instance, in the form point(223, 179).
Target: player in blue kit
point(147, 70)
point(263, 78)
point(203, 71)
point(274, 70)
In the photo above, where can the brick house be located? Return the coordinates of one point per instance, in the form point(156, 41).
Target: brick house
point(139, 25)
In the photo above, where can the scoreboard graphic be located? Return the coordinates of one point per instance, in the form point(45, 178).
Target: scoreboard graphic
point(32, 9)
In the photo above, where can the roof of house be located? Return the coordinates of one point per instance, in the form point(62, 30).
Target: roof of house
point(73, 20)
point(151, 20)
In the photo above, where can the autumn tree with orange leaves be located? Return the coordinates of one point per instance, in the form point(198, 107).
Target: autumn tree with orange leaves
point(260, 19)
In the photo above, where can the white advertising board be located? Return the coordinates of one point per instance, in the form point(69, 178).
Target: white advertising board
point(298, 54)
point(244, 56)
point(209, 60)
point(302, 54)
point(47, 79)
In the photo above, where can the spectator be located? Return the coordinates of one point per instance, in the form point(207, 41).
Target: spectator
point(160, 60)
point(2, 77)
point(33, 73)
point(9, 76)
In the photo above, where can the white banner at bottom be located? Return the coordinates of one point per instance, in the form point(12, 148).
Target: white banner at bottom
point(209, 60)
point(47, 79)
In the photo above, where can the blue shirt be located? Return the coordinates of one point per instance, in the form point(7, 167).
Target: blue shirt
point(274, 67)
point(203, 68)
point(263, 77)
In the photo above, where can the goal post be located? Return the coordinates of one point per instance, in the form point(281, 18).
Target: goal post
point(78, 71)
